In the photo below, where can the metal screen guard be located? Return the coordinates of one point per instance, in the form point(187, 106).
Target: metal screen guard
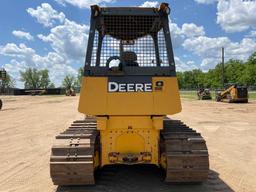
point(142, 35)
point(135, 40)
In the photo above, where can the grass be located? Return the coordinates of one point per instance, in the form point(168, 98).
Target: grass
point(193, 95)
point(252, 95)
point(188, 94)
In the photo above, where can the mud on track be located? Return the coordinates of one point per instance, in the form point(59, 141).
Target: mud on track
point(28, 126)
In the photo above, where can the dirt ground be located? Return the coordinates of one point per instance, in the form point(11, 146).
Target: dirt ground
point(28, 125)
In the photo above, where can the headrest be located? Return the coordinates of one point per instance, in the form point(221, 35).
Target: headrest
point(129, 56)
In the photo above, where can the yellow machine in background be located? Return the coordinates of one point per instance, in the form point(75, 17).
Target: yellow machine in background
point(70, 92)
point(129, 87)
point(204, 94)
point(233, 94)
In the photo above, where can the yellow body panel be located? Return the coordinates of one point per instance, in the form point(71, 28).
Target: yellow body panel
point(233, 93)
point(93, 96)
point(129, 122)
point(167, 101)
point(126, 135)
point(95, 99)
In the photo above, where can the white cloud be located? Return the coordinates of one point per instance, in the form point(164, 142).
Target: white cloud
point(68, 40)
point(176, 34)
point(21, 51)
point(236, 15)
point(22, 55)
point(192, 30)
point(150, 4)
point(25, 57)
point(46, 15)
point(210, 49)
point(209, 62)
point(191, 62)
point(188, 30)
point(83, 3)
point(23, 35)
point(206, 1)
point(184, 66)
point(252, 34)
point(205, 46)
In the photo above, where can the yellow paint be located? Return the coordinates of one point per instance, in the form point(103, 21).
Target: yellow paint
point(93, 96)
point(101, 123)
point(129, 123)
point(95, 99)
point(130, 143)
point(157, 122)
point(129, 135)
point(124, 122)
point(233, 93)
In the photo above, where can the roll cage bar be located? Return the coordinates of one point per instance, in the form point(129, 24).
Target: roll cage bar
point(128, 25)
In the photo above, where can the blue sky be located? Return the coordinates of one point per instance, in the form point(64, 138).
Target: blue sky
point(53, 34)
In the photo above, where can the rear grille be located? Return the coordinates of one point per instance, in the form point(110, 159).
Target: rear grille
point(131, 27)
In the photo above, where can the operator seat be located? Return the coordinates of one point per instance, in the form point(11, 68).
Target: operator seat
point(129, 58)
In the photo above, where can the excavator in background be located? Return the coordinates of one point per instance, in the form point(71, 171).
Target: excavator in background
point(128, 89)
point(233, 94)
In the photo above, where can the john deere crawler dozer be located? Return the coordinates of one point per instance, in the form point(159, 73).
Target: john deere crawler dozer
point(129, 88)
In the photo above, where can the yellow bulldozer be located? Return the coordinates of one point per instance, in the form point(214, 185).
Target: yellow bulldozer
point(233, 94)
point(129, 87)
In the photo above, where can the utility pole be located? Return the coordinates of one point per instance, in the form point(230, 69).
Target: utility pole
point(222, 66)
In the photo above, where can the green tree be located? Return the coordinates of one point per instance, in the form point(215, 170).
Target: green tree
point(252, 58)
point(249, 74)
point(213, 79)
point(44, 79)
point(190, 79)
point(35, 79)
point(69, 82)
point(180, 80)
point(30, 78)
point(51, 86)
point(80, 76)
point(8, 82)
point(236, 71)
